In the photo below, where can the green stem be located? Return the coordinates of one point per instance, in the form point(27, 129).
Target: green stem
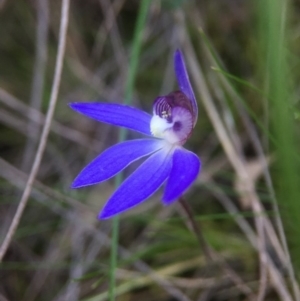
point(113, 256)
point(132, 71)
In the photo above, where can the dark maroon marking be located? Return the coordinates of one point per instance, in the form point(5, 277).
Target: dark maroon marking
point(163, 105)
point(177, 126)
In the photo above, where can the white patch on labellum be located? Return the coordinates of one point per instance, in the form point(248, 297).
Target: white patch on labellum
point(175, 132)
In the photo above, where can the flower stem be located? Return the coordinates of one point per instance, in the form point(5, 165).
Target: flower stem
point(210, 254)
point(196, 228)
point(133, 64)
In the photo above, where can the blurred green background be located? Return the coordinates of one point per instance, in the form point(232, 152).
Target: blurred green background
point(243, 61)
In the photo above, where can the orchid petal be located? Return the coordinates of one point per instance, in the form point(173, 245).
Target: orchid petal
point(115, 159)
point(184, 81)
point(116, 114)
point(140, 185)
point(185, 168)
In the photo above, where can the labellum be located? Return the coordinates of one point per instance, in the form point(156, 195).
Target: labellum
point(173, 118)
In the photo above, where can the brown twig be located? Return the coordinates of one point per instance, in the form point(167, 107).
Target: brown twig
point(43, 140)
point(39, 119)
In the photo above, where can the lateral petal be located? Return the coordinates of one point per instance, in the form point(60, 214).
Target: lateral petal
point(115, 159)
point(185, 168)
point(116, 114)
point(184, 81)
point(140, 185)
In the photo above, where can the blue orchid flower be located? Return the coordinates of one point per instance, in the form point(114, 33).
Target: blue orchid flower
point(174, 117)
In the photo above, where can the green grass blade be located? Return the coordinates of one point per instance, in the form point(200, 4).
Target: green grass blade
point(273, 16)
point(133, 64)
